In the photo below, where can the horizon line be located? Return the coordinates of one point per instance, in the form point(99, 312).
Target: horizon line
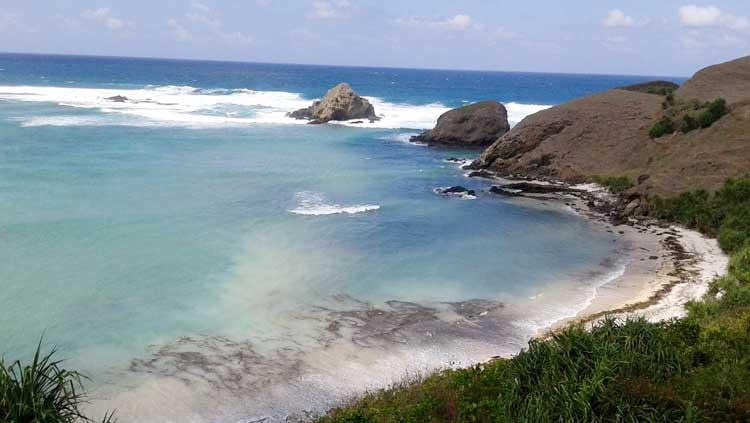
point(182, 59)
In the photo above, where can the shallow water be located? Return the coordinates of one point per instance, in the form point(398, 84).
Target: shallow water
point(204, 259)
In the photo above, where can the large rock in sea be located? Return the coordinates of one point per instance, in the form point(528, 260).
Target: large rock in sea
point(476, 125)
point(607, 134)
point(340, 103)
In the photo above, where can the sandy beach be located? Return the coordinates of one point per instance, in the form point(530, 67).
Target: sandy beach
point(667, 267)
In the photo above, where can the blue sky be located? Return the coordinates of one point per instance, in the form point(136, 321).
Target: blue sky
point(645, 37)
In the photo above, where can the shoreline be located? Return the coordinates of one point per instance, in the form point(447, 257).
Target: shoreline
point(667, 265)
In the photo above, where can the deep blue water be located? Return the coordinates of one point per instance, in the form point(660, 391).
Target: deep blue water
point(198, 219)
point(394, 85)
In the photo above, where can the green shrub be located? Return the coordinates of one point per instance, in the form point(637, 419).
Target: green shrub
point(739, 266)
point(715, 110)
point(689, 123)
point(692, 209)
point(41, 392)
point(725, 215)
point(663, 127)
point(615, 184)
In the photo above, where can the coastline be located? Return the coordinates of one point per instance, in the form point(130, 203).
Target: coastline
point(667, 265)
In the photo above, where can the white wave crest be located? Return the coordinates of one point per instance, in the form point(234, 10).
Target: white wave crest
point(192, 107)
point(314, 204)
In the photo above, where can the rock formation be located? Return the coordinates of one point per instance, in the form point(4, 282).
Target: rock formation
point(339, 104)
point(475, 125)
point(607, 135)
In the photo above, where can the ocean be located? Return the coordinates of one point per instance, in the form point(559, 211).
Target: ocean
point(204, 258)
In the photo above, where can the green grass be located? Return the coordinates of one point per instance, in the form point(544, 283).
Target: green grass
point(615, 184)
point(692, 370)
point(41, 392)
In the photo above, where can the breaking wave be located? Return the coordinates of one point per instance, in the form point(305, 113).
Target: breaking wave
point(314, 204)
point(198, 108)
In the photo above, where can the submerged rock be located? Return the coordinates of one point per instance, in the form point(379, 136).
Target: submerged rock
point(476, 125)
point(456, 190)
point(340, 103)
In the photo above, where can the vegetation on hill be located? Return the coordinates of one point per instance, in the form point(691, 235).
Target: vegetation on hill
point(688, 115)
point(615, 184)
point(663, 127)
point(653, 87)
point(692, 370)
point(42, 392)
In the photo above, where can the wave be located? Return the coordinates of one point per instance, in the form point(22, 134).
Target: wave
point(314, 204)
point(194, 107)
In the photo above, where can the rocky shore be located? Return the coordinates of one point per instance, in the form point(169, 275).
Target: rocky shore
point(667, 265)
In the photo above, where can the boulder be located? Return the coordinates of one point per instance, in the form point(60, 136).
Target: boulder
point(339, 104)
point(476, 125)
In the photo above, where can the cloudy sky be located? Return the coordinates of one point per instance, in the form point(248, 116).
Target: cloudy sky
point(645, 37)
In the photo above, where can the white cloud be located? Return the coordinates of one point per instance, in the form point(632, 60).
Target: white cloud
point(618, 19)
point(201, 21)
point(202, 14)
point(333, 9)
point(104, 16)
point(460, 22)
point(711, 16)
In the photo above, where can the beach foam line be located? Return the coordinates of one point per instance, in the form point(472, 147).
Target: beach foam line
point(188, 106)
point(314, 204)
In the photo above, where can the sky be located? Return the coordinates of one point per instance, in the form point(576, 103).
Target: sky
point(635, 37)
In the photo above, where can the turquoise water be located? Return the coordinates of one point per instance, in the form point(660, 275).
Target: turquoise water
point(163, 244)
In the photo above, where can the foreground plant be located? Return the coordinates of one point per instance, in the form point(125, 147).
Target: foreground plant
point(42, 392)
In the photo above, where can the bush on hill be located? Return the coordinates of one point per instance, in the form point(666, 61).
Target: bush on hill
point(663, 127)
point(615, 184)
point(689, 124)
point(715, 110)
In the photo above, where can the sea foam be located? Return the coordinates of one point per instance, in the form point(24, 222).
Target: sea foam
point(198, 108)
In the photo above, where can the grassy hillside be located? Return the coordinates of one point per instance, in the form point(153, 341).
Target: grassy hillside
point(691, 370)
